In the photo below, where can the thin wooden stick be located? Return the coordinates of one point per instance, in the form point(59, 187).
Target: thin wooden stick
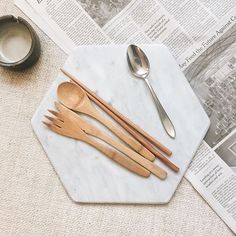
point(125, 122)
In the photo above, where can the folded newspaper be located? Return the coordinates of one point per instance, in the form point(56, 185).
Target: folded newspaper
point(201, 36)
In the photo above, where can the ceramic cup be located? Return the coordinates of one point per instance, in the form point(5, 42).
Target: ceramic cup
point(19, 44)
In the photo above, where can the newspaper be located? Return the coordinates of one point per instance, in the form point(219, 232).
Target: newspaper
point(201, 35)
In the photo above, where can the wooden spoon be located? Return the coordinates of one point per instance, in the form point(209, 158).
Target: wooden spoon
point(73, 97)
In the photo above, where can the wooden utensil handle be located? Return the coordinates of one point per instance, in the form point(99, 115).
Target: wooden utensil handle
point(119, 158)
point(124, 136)
point(127, 151)
point(116, 144)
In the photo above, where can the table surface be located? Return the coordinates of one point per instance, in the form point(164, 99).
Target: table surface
point(32, 199)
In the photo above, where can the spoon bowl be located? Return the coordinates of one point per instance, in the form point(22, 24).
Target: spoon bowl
point(70, 95)
point(138, 62)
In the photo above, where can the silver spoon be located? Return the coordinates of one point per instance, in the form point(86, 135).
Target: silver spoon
point(140, 67)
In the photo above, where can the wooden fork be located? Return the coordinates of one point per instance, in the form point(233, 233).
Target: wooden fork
point(92, 130)
point(71, 128)
point(61, 126)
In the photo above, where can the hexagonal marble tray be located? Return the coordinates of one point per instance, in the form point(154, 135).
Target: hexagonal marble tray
point(86, 174)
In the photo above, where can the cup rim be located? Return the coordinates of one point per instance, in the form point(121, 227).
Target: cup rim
point(12, 19)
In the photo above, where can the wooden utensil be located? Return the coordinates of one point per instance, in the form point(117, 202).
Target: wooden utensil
point(99, 101)
point(92, 130)
point(125, 122)
point(119, 158)
point(62, 125)
point(73, 97)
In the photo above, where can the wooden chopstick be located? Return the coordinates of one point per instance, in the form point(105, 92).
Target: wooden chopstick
point(125, 122)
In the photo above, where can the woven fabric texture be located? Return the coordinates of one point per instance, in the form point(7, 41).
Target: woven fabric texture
point(32, 199)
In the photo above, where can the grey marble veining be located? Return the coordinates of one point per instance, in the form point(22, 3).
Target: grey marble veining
point(86, 174)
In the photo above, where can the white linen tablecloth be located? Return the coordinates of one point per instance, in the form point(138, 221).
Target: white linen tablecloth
point(32, 199)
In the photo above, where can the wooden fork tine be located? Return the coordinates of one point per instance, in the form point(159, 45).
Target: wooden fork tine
point(53, 127)
point(62, 109)
point(54, 121)
point(59, 106)
point(56, 114)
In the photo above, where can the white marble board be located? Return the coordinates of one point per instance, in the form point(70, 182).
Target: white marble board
point(86, 174)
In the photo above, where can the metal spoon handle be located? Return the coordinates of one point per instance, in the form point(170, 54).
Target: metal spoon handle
point(166, 122)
